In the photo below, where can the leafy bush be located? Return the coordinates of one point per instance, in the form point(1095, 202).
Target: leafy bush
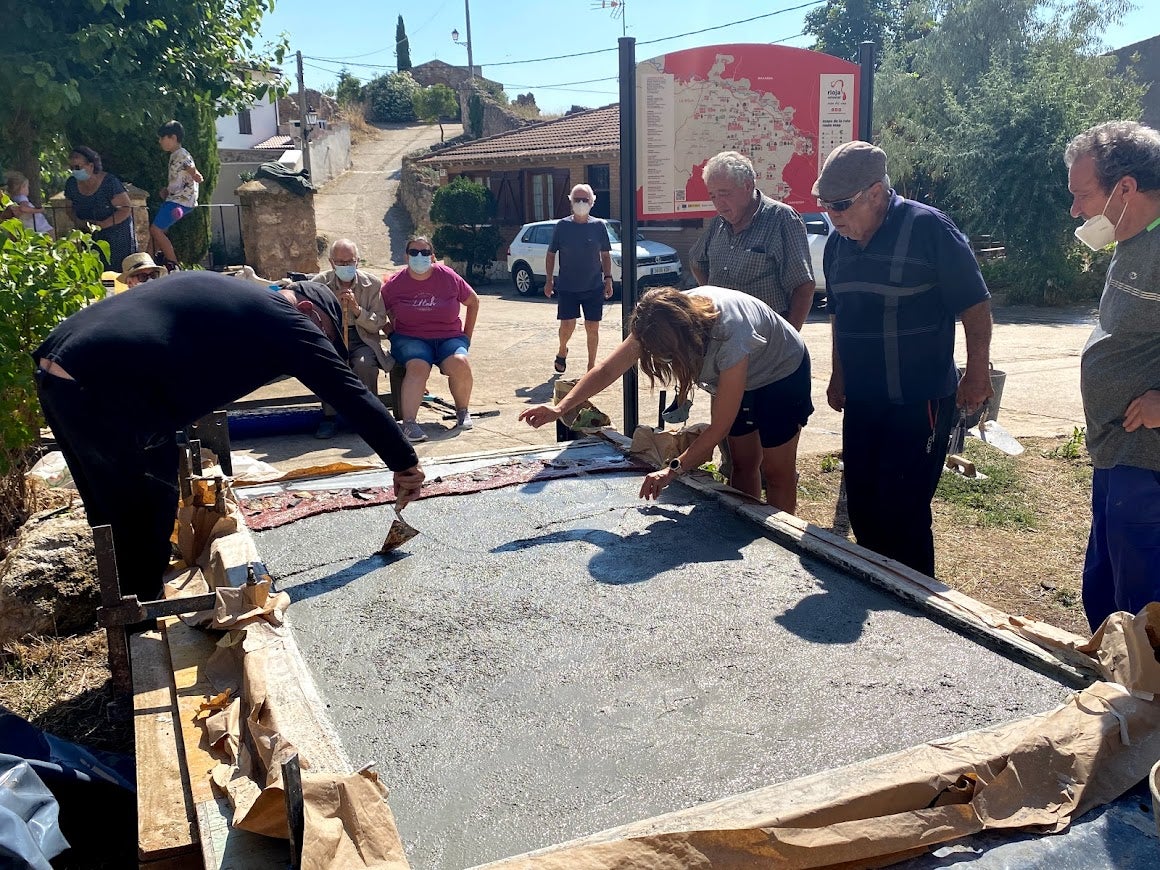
point(463, 209)
point(42, 281)
point(389, 98)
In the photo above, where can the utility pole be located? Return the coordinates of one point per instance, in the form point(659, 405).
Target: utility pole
point(302, 119)
point(467, 18)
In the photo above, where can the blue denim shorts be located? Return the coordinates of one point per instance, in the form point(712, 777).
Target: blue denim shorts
point(432, 351)
point(169, 214)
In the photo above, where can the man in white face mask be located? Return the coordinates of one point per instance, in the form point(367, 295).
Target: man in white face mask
point(366, 316)
point(1114, 179)
point(585, 279)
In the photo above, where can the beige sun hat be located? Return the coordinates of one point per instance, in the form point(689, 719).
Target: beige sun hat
point(135, 264)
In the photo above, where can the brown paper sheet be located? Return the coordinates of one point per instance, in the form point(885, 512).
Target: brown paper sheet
point(349, 824)
point(659, 447)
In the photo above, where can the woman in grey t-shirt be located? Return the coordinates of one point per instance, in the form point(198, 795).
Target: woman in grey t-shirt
point(735, 347)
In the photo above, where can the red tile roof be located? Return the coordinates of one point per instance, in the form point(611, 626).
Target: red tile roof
point(582, 133)
point(279, 143)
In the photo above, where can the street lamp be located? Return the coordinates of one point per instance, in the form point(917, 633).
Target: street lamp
point(309, 122)
point(311, 118)
point(467, 42)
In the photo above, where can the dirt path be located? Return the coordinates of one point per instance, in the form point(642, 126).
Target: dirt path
point(361, 203)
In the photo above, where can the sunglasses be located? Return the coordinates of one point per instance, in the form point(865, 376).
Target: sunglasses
point(580, 199)
point(416, 252)
point(841, 204)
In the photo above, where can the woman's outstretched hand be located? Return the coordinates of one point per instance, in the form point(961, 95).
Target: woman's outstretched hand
point(538, 415)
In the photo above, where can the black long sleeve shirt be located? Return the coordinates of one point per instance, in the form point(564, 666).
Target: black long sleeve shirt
point(170, 351)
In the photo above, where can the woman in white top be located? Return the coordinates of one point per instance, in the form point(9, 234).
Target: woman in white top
point(735, 347)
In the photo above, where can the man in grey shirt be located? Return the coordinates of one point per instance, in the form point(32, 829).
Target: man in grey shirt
point(756, 244)
point(1114, 179)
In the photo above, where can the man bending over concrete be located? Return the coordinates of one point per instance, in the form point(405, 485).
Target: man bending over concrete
point(120, 377)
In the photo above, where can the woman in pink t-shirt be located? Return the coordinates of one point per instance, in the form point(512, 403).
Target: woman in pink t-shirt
point(423, 304)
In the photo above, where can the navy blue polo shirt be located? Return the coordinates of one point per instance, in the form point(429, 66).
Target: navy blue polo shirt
point(895, 302)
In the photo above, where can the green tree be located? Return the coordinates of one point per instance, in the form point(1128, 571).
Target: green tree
point(402, 47)
point(463, 210)
point(434, 104)
point(976, 116)
point(42, 281)
point(124, 63)
point(390, 98)
point(841, 26)
point(348, 90)
point(475, 115)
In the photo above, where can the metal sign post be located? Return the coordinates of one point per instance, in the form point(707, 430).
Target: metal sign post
point(628, 217)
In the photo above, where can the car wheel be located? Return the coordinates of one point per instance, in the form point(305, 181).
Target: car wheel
point(523, 278)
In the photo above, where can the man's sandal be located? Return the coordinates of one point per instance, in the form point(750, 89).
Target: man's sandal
point(560, 365)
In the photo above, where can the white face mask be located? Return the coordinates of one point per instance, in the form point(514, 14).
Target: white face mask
point(1099, 232)
point(581, 209)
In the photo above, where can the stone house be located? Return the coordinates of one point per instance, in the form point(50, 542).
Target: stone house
point(437, 72)
point(530, 172)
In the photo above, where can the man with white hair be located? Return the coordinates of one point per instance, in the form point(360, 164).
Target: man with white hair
point(756, 244)
point(358, 293)
point(585, 279)
point(1114, 179)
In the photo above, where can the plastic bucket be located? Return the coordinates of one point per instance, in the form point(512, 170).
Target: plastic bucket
point(998, 379)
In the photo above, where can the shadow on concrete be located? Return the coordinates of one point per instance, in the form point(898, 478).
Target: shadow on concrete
point(399, 226)
point(283, 448)
point(349, 574)
point(832, 616)
point(539, 394)
point(1029, 314)
point(640, 556)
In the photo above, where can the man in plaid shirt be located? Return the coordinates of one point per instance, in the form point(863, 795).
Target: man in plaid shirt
point(756, 244)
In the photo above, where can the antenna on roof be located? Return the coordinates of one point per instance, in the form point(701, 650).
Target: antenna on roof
point(615, 10)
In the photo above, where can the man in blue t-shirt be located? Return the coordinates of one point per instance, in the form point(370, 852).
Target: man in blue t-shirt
point(585, 279)
point(898, 274)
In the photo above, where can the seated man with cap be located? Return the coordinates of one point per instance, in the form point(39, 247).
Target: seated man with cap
point(898, 274)
point(139, 268)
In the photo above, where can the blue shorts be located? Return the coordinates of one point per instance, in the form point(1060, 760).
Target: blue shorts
point(432, 351)
point(778, 410)
point(569, 305)
point(169, 214)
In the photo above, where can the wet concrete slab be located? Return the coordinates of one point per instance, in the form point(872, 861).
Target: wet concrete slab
point(556, 658)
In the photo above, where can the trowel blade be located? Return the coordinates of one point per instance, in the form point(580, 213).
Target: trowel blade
point(990, 432)
point(400, 532)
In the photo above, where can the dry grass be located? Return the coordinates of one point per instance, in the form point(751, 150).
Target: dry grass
point(61, 685)
point(360, 130)
point(1015, 541)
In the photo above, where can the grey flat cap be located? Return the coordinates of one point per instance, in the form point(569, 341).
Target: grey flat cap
point(850, 168)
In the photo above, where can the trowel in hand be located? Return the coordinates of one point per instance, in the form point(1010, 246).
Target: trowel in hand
point(401, 531)
point(994, 435)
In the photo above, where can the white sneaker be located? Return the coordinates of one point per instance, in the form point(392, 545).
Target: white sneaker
point(463, 419)
point(413, 431)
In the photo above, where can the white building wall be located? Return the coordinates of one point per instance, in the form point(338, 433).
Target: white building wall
point(263, 125)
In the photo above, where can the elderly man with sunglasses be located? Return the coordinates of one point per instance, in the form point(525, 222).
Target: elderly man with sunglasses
point(898, 274)
point(756, 244)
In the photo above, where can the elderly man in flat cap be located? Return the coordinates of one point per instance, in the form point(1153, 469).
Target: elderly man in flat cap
point(898, 274)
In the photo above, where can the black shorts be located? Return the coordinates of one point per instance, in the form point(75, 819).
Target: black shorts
point(569, 305)
point(778, 410)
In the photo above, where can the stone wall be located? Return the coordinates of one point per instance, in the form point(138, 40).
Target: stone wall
point(329, 153)
point(496, 118)
point(278, 228)
point(417, 186)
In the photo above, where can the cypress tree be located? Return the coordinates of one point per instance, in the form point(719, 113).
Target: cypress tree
point(402, 47)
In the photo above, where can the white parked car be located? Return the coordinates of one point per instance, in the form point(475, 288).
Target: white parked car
point(818, 229)
point(656, 263)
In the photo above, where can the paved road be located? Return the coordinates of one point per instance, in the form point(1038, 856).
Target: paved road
point(360, 203)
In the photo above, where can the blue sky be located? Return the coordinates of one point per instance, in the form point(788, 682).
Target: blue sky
point(507, 34)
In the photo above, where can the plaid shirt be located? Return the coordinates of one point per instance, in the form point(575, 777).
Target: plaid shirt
point(768, 259)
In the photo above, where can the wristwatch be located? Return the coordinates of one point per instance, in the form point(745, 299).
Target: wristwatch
point(675, 466)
